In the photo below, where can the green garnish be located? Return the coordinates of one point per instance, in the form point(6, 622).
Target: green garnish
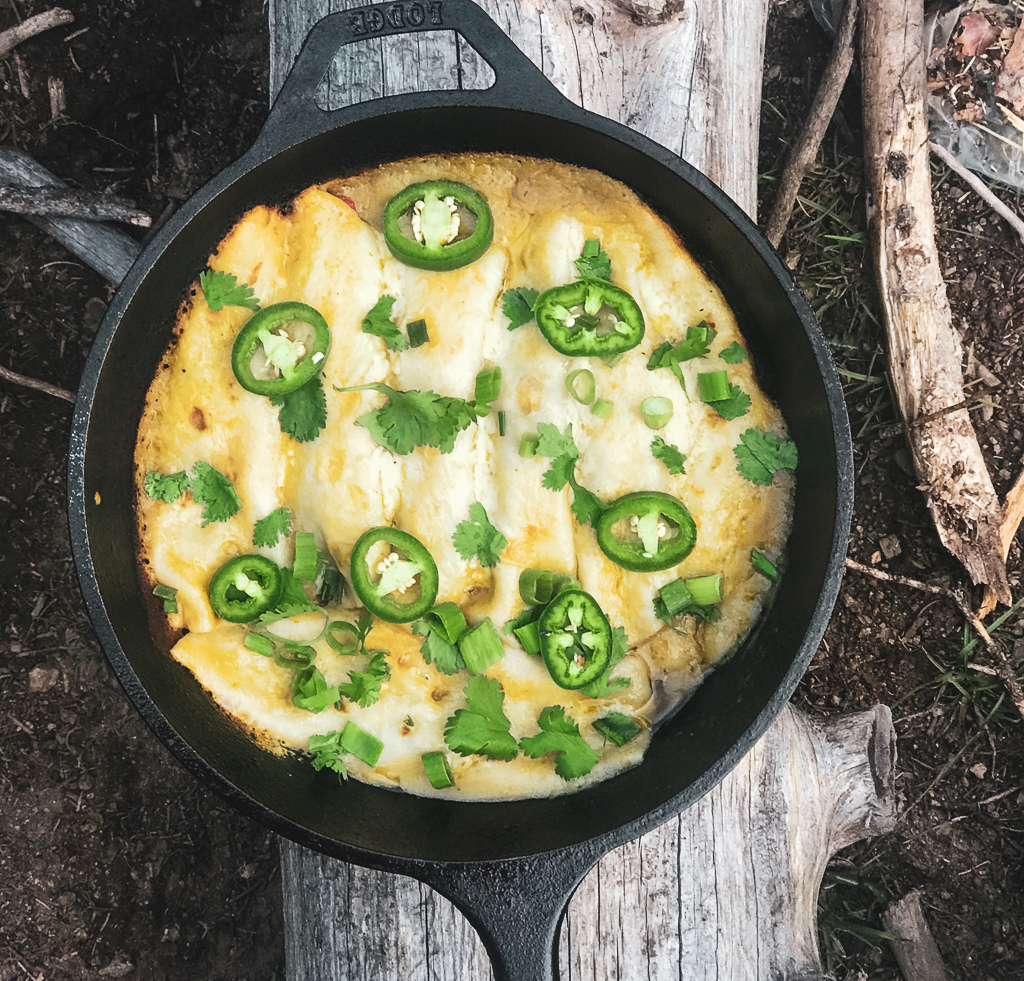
point(763, 564)
point(733, 354)
point(517, 305)
point(713, 385)
point(669, 455)
point(167, 487)
point(561, 449)
point(267, 531)
point(303, 412)
point(737, 404)
point(486, 390)
point(692, 597)
point(593, 262)
point(212, 490)
point(481, 647)
point(656, 411)
point(326, 751)
point(501, 422)
point(761, 454)
point(619, 728)
point(169, 595)
point(379, 323)
point(696, 345)
point(330, 583)
point(528, 445)
point(354, 634)
point(259, 644)
point(602, 408)
point(482, 727)
point(310, 690)
point(478, 538)
point(361, 744)
point(306, 557)
point(538, 587)
point(560, 734)
point(606, 684)
point(417, 331)
point(221, 290)
point(364, 686)
point(438, 770)
point(441, 629)
point(584, 396)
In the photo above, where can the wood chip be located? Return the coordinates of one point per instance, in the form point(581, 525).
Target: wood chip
point(890, 546)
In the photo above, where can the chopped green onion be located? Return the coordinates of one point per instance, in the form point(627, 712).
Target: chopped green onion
point(438, 770)
point(311, 692)
point(342, 644)
point(611, 360)
point(538, 587)
point(169, 595)
point(417, 331)
point(656, 411)
point(501, 422)
point(488, 385)
point(449, 619)
point(713, 385)
point(586, 396)
point(294, 656)
point(706, 590)
point(529, 636)
point(361, 744)
point(619, 728)
point(330, 583)
point(306, 559)
point(602, 408)
point(259, 644)
point(676, 597)
point(763, 564)
point(481, 647)
point(528, 445)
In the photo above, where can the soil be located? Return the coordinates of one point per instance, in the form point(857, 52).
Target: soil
point(115, 863)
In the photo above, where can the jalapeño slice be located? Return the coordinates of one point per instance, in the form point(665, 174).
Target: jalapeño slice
point(589, 318)
point(575, 639)
point(245, 587)
point(394, 575)
point(646, 531)
point(437, 225)
point(280, 349)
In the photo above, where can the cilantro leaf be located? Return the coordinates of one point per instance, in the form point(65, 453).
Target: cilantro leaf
point(517, 305)
point(267, 531)
point(733, 354)
point(761, 454)
point(167, 487)
point(586, 506)
point(378, 322)
point(303, 412)
point(594, 261)
point(214, 492)
point(561, 449)
point(736, 405)
point(364, 686)
point(560, 734)
point(619, 728)
point(669, 454)
point(697, 344)
point(552, 443)
point(310, 690)
point(478, 537)
point(437, 650)
point(221, 290)
point(326, 750)
point(482, 727)
point(411, 419)
point(292, 602)
point(606, 685)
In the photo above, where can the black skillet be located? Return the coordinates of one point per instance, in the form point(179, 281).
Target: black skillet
point(510, 867)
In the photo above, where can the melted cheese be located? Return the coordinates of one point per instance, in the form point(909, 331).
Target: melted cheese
point(327, 250)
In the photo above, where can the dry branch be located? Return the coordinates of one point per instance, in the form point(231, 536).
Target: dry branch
point(46, 21)
point(40, 386)
point(912, 942)
point(924, 350)
point(66, 202)
point(806, 148)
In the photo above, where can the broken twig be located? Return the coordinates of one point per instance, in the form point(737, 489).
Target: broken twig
point(1013, 514)
point(67, 202)
point(40, 386)
point(46, 21)
point(912, 942)
point(806, 148)
point(982, 189)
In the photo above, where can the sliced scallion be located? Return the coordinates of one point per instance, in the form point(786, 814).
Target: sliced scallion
point(713, 385)
point(259, 644)
point(306, 559)
point(602, 408)
point(361, 744)
point(481, 647)
point(438, 770)
point(538, 587)
point(343, 637)
point(418, 335)
point(449, 619)
point(528, 445)
point(656, 411)
point(585, 391)
point(169, 595)
point(706, 590)
point(676, 597)
point(763, 564)
point(330, 583)
point(488, 385)
point(529, 636)
point(501, 422)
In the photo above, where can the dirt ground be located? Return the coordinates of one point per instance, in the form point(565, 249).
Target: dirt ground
point(115, 863)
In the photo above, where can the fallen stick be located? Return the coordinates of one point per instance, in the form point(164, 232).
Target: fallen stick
point(822, 109)
point(67, 202)
point(981, 188)
point(46, 21)
point(924, 349)
point(40, 386)
point(912, 942)
point(1013, 508)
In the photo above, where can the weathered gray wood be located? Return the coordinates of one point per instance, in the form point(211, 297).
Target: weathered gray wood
point(912, 942)
point(104, 248)
point(727, 891)
point(56, 201)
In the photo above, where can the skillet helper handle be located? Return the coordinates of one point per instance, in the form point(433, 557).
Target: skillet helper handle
point(517, 906)
point(518, 82)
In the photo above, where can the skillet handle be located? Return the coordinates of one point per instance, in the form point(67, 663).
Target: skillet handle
point(518, 83)
point(516, 905)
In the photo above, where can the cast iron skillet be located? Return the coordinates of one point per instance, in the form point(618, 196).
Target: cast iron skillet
point(510, 867)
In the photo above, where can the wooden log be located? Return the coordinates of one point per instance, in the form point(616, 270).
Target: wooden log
point(745, 862)
point(107, 250)
point(67, 202)
point(924, 349)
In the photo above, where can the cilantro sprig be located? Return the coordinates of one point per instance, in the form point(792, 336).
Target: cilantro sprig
point(363, 687)
point(379, 323)
point(482, 728)
point(736, 405)
point(733, 354)
point(327, 751)
point(696, 344)
point(593, 261)
point(561, 449)
point(478, 538)
point(167, 487)
point(517, 304)
point(210, 489)
point(222, 289)
point(561, 735)
point(669, 454)
point(303, 413)
point(761, 454)
point(268, 531)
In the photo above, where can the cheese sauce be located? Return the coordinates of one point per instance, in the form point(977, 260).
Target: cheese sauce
point(327, 250)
